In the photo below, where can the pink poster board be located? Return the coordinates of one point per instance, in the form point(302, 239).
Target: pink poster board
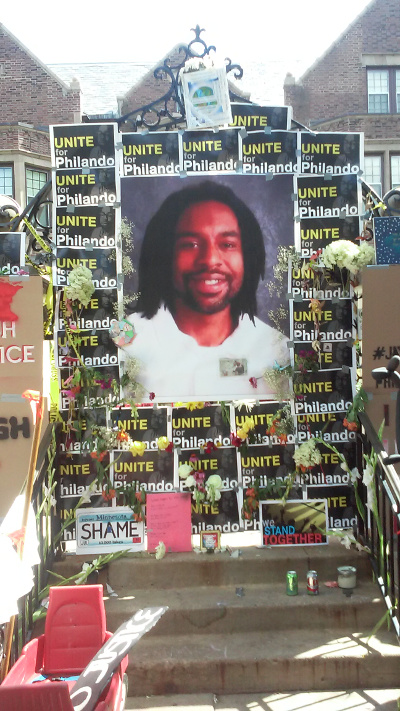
point(169, 520)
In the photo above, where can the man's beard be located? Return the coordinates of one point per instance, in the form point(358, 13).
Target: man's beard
point(200, 305)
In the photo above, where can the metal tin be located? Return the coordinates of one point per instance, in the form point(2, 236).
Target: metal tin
point(291, 583)
point(312, 582)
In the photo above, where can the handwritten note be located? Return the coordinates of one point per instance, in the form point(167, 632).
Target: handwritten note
point(169, 520)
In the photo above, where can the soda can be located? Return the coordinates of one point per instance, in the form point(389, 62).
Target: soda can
point(312, 582)
point(291, 583)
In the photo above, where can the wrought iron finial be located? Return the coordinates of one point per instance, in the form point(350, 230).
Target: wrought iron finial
point(168, 110)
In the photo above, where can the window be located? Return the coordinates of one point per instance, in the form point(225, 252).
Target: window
point(383, 90)
point(35, 179)
point(398, 91)
point(6, 180)
point(378, 91)
point(395, 171)
point(373, 172)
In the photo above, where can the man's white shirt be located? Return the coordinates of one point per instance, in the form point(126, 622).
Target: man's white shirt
point(175, 367)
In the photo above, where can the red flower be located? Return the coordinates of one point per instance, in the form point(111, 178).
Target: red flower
point(251, 492)
point(352, 426)
point(98, 455)
point(108, 495)
point(210, 447)
point(169, 448)
point(152, 396)
point(253, 382)
point(122, 436)
point(235, 440)
point(316, 255)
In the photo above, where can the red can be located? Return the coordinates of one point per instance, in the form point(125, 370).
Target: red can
point(312, 583)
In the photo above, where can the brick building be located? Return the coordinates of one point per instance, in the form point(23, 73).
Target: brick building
point(355, 86)
point(31, 98)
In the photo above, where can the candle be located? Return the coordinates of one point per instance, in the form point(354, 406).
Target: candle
point(347, 577)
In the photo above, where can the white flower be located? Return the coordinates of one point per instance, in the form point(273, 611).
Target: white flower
point(184, 470)
point(213, 487)
point(368, 475)
point(160, 550)
point(347, 540)
point(248, 404)
point(86, 568)
point(190, 481)
point(354, 475)
point(80, 287)
point(47, 493)
point(89, 491)
point(307, 455)
point(347, 255)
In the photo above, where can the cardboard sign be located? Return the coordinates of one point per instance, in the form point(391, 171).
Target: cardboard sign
point(168, 520)
point(381, 341)
point(91, 683)
point(295, 523)
point(21, 350)
point(105, 530)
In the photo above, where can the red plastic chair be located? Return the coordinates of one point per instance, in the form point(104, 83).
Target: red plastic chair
point(35, 697)
point(75, 629)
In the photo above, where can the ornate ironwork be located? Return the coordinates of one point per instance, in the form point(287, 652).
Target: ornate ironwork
point(168, 110)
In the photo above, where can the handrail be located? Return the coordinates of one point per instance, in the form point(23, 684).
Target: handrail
point(380, 527)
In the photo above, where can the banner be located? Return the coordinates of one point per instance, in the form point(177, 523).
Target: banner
point(337, 196)
point(332, 153)
point(255, 118)
point(12, 252)
point(202, 327)
point(155, 153)
point(295, 523)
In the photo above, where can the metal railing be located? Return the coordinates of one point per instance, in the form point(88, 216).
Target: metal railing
point(48, 525)
point(380, 528)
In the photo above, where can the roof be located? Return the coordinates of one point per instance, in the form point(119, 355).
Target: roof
point(102, 83)
point(46, 67)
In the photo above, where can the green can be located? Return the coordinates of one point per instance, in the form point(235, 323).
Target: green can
point(291, 583)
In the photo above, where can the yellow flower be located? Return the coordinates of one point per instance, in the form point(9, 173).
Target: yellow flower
point(194, 405)
point(163, 442)
point(242, 433)
point(138, 449)
point(248, 424)
point(316, 306)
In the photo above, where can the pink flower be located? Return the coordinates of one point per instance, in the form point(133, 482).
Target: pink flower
point(104, 384)
point(253, 382)
point(152, 396)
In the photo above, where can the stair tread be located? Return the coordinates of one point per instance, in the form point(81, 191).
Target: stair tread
point(266, 595)
point(276, 644)
point(363, 700)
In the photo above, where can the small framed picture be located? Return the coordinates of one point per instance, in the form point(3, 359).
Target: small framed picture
point(210, 540)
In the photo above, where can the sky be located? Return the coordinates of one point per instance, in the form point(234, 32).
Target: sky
point(296, 31)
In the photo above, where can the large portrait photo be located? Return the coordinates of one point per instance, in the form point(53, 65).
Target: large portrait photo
point(203, 255)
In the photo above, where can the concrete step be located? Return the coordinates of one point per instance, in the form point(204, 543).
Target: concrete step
point(343, 700)
point(257, 662)
point(256, 566)
point(214, 610)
